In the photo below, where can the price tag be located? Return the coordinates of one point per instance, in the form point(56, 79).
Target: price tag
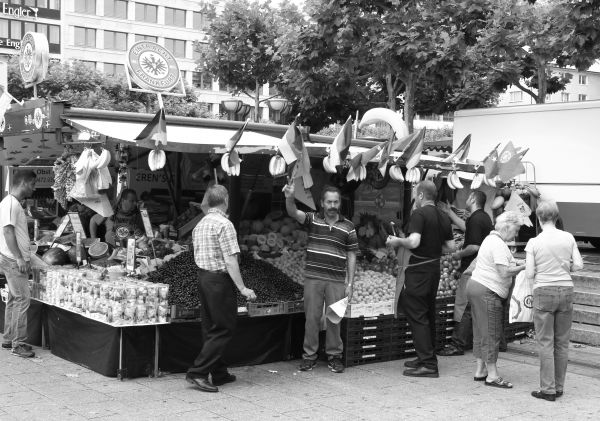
point(76, 223)
point(130, 261)
point(78, 247)
point(147, 224)
point(61, 228)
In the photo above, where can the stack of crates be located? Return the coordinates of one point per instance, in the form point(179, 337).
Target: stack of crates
point(444, 321)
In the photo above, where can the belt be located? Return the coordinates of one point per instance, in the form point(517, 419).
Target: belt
point(216, 272)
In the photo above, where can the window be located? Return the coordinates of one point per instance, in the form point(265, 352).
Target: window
point(86, 6)
point(139, 37)
point(564, 97)
point(54, 4)
point(145, 12)
point(89, 64)
point(201, 21)
point(115, 9)
point(53, 34)
point(15, 29)
point(114, 69)
point(582, 97)
point(583, 79)
point(174, 17)
point(516, 96)
point(115, 40)
point(202, 80)
point(28, 27)
point(85, 37)
point(175, 46)
point(3, 28)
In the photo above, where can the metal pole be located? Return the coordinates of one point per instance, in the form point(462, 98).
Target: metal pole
point(156, 347)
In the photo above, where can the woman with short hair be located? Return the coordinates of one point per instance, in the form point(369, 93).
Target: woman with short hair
point(487, 291)
point(551, 257)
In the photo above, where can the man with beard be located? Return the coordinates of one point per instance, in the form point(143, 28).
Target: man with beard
point(329, 274)
point(429, 235)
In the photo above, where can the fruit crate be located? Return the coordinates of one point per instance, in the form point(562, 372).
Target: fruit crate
point(367, 343)
point(382, 308)
point(444, 305)
point(517, 330)
point(402, 350)
point(367, 326)
point(185, 313)
point(367, 356)
point(265, 309)
point(296, 306)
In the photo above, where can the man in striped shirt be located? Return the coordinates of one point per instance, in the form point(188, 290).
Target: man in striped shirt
point(329, 274)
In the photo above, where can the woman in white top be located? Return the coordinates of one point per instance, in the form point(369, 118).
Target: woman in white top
point(487, 291)
point(551, 256)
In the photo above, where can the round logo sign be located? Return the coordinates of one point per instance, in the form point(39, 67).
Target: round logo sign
point(152, 66)
point(33, 59)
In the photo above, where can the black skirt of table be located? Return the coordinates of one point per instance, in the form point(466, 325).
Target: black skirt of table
point(35, 318)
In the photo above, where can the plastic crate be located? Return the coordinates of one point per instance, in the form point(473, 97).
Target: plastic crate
point(517, 331)
point(265, 309)
point(355, 328)
point(382, 308)
point(367, 356)
point(185, 313)
point(294, 306)
point(367, 343)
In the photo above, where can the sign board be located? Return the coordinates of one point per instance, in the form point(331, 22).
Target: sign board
point(17, 11)
point(147, 224)
point(78, 248)
point(153, 69)
point(130, 262)
point(143, 180)
point(33, 60)
point(76, 223)
point(44, 175)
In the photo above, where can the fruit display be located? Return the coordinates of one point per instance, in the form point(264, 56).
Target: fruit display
point(56, 256)
point(121, 301)
point(413, 175)
point(370, 231)
point(454, 181)
point(272, 235)
point(373, 287)
point(449, 269)
point(186, 216)
point(181, 275)
point(156, 159)
point(292, 263)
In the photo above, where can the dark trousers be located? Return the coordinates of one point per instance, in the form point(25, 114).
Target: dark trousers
point(219, 316)
point(417, 302)
point(462, 335)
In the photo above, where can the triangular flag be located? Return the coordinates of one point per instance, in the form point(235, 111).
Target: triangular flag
point(5, 100)
point(341, 144)
point(368, 155)
point(516, 204)
point(460, 154)
point(291, 144)
point(154, 133)
point(490, 163)
point(304, 195)
point(355, 164)
point(385, 156)
point(412, 153)
point(236, 137)
point(509, 163)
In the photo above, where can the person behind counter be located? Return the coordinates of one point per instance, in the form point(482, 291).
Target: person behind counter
point(15, 262)
point(124, 224)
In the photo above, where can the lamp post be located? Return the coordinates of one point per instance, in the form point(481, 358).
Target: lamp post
point(278, 105)
point(232, 106)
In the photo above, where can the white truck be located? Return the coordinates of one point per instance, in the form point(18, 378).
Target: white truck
point(564, 148)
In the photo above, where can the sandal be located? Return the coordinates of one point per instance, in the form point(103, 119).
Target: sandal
point(499, 382)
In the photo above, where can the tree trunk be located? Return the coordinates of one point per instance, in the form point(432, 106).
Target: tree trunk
point(389, 85)
point(542, 82)
point(257, 102)
point(409, 100)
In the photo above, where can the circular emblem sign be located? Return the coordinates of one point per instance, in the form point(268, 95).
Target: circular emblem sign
point(152, 66)
point(33, 60)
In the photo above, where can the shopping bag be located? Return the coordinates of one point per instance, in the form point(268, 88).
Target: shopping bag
point(521, 300)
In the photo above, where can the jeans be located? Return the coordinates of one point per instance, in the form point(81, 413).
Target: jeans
point(15, 316)
point(317, 292)
point(552, 316)
point(218, 309)
point(417, 302)
point(487, 309)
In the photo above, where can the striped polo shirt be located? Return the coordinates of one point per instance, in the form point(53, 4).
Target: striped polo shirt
point(327, 247)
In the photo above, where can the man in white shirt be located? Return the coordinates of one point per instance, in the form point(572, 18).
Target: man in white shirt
point(15, 258)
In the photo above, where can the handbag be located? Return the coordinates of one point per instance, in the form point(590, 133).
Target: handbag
point(521, 300)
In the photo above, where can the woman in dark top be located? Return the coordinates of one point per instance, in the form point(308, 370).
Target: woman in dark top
point(124, 224)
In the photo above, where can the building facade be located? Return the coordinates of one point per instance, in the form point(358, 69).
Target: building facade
point(584, 86)
point(99, 33)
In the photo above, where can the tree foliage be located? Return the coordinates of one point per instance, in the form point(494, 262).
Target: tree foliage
point(83, 87)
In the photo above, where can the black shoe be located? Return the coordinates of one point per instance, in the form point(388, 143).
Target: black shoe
point(307, 364)
point(336, 365)
point(220, 381)
point(421, 372)
point(450, 351)
point(202, 383)
point(6, 345)
point(559, 393)
point(22, 351)
point(412, 363)
point(541, 395)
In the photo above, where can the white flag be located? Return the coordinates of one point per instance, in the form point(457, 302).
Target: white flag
point(5, 100)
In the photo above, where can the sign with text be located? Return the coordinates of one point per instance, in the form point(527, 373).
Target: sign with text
point(130, 262)
point(147, 224)
point(143, 180)
point(76, 223)
point(44, 176)
point(17, 11)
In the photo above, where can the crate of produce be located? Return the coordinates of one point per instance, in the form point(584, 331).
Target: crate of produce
point(444, 304)
point(179, 312)
point(296, 306)
point(368, 324)
point(367, 343)
point(367, 356)
point(265, 309)
point(382, 308)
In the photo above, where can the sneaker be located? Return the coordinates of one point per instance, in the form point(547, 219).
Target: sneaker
point(22, 351)
point(450, 351)
point(336, 365)
point(307, 364)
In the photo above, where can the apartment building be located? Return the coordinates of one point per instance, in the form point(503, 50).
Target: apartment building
point(99, 33)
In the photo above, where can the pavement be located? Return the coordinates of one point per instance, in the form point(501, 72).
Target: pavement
point(49, 388)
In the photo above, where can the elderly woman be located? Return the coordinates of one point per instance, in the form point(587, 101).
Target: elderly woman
point(551, 257)
point(487, 290)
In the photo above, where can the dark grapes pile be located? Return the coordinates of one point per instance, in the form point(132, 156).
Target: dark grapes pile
point(181, 274)
point(269, 283)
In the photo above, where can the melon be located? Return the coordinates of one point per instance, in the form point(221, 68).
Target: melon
point(55, 256)
point(99, 250)
point(257, 227)
point(286, 229)
point(72, 253)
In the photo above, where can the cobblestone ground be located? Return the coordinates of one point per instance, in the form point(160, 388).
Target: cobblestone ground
point(49, 388)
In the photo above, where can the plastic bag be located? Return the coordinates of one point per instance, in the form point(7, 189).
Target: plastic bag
point(521, 300)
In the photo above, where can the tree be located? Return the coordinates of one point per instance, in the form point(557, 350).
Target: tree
point(83, 87)
point(242, 49)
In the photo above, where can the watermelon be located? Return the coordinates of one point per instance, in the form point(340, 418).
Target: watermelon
point(99, 250)
point(55, 256)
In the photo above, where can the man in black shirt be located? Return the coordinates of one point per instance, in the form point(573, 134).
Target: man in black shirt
point(429, 235)
point(476, 228)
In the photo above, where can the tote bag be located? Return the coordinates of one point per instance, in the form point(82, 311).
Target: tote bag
point(521, 300)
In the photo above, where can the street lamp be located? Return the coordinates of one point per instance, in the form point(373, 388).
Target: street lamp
point(232, 106)
point(278, 105)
